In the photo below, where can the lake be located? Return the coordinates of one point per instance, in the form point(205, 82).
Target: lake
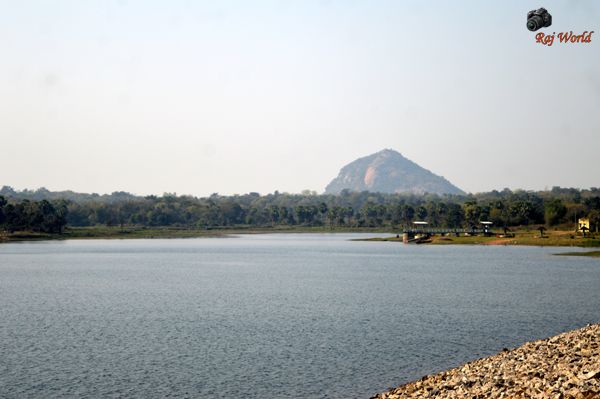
point(270, 316)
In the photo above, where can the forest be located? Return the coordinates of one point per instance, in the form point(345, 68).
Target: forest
point(44, 211)
point(36, 216)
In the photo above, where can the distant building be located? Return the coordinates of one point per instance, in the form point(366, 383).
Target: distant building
point(583, 223)
point(486, 226)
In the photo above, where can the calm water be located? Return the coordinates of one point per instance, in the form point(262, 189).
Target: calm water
point(275, 316)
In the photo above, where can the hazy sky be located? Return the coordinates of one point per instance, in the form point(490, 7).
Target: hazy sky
point(236, 96)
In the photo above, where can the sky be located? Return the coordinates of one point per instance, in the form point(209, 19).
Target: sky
point(230, 97)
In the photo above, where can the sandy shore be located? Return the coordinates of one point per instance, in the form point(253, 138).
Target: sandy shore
point(565, 366)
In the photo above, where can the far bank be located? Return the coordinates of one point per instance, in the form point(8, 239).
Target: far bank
point(553, 238)
point(556, 238)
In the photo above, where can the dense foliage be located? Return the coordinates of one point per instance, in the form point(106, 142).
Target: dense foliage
point(559, 206)
point(39, 216)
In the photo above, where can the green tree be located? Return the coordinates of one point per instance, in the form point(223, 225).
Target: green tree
point(453, 216)
point(554, 211)
point(2, 205)
point(421, 213)
point(408, 214)
point(594, 217)
point(472, 213)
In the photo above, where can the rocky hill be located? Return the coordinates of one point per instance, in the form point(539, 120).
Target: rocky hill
point(388, 171)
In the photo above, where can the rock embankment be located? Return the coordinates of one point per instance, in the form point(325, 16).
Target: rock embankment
point(566, 366)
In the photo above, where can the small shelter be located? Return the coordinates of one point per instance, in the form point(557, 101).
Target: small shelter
point(487, 225)
point(583, 224)
point(420, 226)
point(419, 231)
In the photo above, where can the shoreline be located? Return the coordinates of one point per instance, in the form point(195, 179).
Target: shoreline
point(129, 232)
point(565, 366)
point(521, 238)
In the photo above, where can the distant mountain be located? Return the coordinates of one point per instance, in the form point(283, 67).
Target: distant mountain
point(388, 171)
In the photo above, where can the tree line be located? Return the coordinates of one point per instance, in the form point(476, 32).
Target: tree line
point(506, 208)
point(38, 216)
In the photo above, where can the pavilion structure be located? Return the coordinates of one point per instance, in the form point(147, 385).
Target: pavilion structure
point(487, 225)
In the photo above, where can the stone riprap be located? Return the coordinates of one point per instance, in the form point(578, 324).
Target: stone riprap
point(565, 366)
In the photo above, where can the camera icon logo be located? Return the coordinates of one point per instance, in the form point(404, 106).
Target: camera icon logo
point(537, 19)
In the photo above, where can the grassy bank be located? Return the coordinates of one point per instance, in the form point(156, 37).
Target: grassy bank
point(592, 254)
point(102, 232)
point(126, 232)
point(521, 237)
